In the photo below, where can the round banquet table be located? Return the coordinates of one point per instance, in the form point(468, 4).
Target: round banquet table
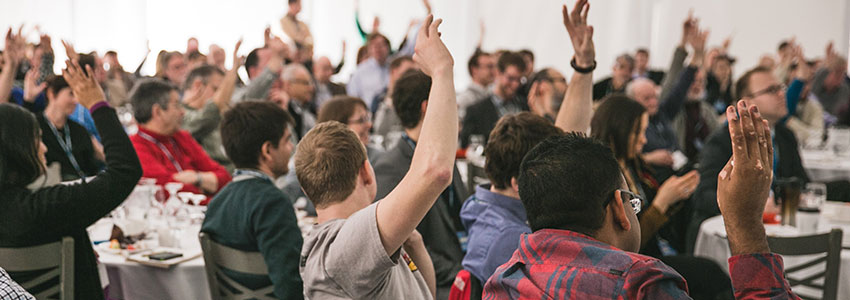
point(713, 244)
point(825, 166)
point(131, 280)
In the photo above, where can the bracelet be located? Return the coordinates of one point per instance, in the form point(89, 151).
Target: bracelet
point(580, 69)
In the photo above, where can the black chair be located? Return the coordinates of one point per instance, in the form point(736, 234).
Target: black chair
point(828, 244)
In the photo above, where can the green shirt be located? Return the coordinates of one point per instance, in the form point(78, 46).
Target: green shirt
point(252, 214)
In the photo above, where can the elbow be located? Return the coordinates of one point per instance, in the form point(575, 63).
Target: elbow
point(439, 175)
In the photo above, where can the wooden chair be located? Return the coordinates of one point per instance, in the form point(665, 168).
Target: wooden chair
point(828, 244)
point(218, 257)
point(57, 258)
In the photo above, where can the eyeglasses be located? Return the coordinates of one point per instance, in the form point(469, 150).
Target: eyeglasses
point(773, 89)
point(628, 197)
point(302, 81)
point(366, 118)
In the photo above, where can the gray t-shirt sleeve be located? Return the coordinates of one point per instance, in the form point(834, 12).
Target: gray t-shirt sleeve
point(356, 260)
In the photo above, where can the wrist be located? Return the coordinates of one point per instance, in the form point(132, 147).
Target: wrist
point(661, 206)
point(582, 69)
point(443, 71)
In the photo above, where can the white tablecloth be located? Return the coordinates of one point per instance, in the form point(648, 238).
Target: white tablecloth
point(131, 280)
point(712, 244)
point(825, 166)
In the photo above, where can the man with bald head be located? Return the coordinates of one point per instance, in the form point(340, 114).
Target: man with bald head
point(325, 88)
point(829, 84)
point(660, 135)
point(298, 84)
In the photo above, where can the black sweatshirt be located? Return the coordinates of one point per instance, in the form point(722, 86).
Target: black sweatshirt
point(29, 218)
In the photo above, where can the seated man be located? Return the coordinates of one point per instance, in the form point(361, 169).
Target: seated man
point(251, 213)
point(68, 143)
point(365, 250)
point(482, 71)
point(441, 225)
point(206, 97)
point(759, 87)
point(621, 74)
point(298, 84)
point(484, 113)
point(167, 153)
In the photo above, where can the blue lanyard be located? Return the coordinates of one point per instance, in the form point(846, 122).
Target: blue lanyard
point(66, 146)
point(164, 150)
point(252, 173)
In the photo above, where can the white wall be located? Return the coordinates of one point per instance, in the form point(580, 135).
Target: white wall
point(757, 26)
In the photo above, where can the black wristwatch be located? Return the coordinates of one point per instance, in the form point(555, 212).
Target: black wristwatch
point(580, 69)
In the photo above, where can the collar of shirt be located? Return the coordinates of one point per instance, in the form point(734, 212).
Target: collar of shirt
point(504, 107)
point(161, 138)
point(512, 205)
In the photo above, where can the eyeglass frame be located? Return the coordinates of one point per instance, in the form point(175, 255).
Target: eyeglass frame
point(633, 199)
point(773, 89)
point(362, 120)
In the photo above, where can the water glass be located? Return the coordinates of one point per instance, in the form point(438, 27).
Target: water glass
point(813, 197)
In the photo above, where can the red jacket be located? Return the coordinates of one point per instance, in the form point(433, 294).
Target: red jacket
point(186, 152)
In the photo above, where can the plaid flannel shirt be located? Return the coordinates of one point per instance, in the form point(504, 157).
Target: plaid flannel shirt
point(561, 264)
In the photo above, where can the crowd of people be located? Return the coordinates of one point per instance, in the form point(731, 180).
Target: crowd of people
point(596, 190)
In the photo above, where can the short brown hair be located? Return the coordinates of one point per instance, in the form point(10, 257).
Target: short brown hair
point(508, 59)
point(510, 140)
point(742, 86)
point(339, 108)
point(327, 161)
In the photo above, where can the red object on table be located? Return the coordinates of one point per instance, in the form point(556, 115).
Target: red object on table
point(770, 218)
point(460, 153)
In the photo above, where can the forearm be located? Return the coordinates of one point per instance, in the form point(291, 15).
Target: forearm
point(7, 80)
point(577, 109)
point(676, 65)
point(259, 87)
point(209, 182)
point(225, 91)
point(650, 222)
point(420, 257)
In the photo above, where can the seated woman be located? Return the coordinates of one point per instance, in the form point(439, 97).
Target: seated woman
point(68, 143)
point(35, 217)
point(621, 123)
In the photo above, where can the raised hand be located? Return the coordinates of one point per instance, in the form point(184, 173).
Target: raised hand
point(540, 98)
point(431, 54)
point(688, 27)
point(237, 60)
point(45, 43)
point(31, 89)
point(744, 183)
point(697, 40)
point(803, 71)
point(83, 84)
point(69, 50)
point(830, 56)
point(580, 33)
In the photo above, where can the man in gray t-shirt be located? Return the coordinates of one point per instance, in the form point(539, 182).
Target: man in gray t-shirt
point(361, 250)
point(344, 259)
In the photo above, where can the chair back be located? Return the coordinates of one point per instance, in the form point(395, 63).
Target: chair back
point(828, 245)
point(54, 260)
point(218, 257)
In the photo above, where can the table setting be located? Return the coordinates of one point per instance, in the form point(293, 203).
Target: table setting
point(809, 214)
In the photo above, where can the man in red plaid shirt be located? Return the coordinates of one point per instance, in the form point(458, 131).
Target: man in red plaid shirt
point(584, 219)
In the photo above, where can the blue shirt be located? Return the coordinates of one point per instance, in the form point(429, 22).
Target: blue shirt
point(368, 80)
point(495, 223)
point(82, 116)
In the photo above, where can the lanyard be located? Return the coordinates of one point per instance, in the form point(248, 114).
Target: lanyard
point(252, 173)
point(450, 191)
point(66, 146)
point(164, 150)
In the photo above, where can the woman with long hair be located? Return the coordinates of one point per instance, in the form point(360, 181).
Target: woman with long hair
point(45, 215)
point(621, 123)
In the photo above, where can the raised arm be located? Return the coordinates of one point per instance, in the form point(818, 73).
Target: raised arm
point(12, 56)
point(577, 108)
point(433, 160)
point(671, 105)
point(225, 91)
point(742, 187)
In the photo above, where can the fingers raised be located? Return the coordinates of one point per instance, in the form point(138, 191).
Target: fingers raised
point(739, 146)
point(750, 135)
point(758, 126)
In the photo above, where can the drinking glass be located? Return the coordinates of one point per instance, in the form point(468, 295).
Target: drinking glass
point(814, 195)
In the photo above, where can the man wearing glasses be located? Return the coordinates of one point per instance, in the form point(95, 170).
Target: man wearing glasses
point(762, 89)
point(298, 84)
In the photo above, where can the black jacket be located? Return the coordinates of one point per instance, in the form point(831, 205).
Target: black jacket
point(46, 215)
point(717, 151)
point(481, 117)
point(442, 222)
